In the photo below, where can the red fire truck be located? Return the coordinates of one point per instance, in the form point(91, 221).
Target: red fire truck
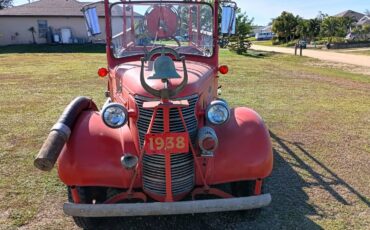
point(164, 142)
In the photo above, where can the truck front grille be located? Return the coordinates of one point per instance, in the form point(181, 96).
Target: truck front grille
point(182, 165)
point(182, 172)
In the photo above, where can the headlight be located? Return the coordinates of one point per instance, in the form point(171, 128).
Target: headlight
point(114, 115)
point(218, 112)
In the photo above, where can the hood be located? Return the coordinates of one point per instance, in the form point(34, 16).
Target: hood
point(127, 76)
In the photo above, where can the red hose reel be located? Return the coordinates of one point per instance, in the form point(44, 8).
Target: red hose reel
point(162, 21)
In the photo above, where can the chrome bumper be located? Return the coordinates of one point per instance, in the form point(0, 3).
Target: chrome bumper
point(167, 208)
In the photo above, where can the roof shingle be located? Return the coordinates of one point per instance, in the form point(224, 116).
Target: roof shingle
point(350, 14)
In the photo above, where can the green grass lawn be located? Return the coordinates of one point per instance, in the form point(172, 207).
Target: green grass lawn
point(319, 119)
point(263, 43)
point(269, 43)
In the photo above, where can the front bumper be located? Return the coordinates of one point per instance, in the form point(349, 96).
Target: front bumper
point(163, 208)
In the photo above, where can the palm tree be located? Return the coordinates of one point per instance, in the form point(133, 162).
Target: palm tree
point(329, 27)
point(33, 31)
point(285, 26)
point(314, 28)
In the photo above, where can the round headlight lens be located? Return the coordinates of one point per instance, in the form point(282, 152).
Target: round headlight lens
point(114, 115)
point(218, 112)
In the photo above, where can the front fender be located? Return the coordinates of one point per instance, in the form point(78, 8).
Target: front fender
point(245, 151)
point(92, 155)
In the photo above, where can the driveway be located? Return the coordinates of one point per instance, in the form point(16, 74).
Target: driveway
point(352, 59)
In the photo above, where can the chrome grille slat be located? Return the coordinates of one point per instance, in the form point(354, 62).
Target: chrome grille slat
point(187, 114)
point(153, 179)
point(190, 185)
point(182, 165)
point(174, 166)
point(183, 172)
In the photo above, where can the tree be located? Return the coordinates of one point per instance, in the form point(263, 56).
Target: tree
point(33, 31)
point(366, 29)
point(5, 4)
point(240, 44)
point(346, 24)
point(367, 12)
point(302, 29)
point(362, 32)
point(185, 12)
point(333, 26)
point(285, 26)
point(314, 26)
point(320, 16)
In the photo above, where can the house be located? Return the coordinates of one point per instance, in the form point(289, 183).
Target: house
point(256, 29)
point(261, 29)
point(365, 20)
point(264, 33)
point(350, 14)
point(48, 21)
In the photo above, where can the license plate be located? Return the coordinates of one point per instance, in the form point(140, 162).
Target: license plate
point(160, 143)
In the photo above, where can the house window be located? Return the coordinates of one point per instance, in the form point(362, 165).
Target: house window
point(43, 28)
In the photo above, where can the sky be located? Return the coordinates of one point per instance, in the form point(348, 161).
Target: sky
point(264, 10)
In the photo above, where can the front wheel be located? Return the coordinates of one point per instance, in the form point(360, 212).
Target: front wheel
point(242, 189)
point(88, 195)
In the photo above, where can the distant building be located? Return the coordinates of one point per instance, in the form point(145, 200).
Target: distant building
point(350, 14)
point(365, 20)
point(263, 33)
point(256, 29)
point(260, 29)
point(52, 21)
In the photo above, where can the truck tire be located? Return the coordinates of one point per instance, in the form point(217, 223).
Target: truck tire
point(242, 189)
point(87, 195)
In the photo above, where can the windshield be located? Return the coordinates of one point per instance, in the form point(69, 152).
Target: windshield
point(137, 28)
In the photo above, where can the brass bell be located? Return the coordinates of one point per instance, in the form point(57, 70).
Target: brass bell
point(164, 68)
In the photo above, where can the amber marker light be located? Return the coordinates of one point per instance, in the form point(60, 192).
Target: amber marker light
point(224, 69)
point(102, 72)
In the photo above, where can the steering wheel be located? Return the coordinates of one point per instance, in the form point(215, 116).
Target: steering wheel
point(164, 93)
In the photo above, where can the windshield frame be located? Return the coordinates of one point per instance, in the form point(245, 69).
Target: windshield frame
point(137, 57)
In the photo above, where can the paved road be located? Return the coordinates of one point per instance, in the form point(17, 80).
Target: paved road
point(361, 60)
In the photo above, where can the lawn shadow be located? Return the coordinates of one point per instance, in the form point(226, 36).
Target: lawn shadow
point(258, 54)
point(57, 48)
point(320, 179)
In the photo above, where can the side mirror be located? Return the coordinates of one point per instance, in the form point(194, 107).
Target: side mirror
point(228, 20)
point(92, 21)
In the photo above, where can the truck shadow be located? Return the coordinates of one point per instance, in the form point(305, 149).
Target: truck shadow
point(320, 179)
point(258, 54)
point(289, 209)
